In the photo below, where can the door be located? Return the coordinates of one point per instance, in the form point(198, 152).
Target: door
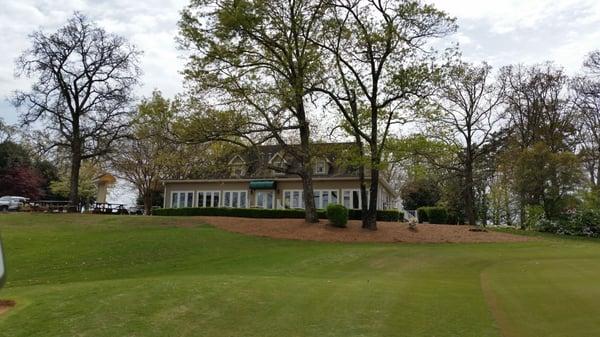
point(265, 199)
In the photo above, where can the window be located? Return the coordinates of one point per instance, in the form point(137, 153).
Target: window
point(351, 199)
point(238, 166)
point(325, 197)
point(278, 161)
point(293, 199)
point(264, 199)
point(235, 199)
point(321, 167)
point(208, 199)
point(182, 199)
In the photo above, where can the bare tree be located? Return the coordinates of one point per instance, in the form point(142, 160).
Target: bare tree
point(7, 131)
point(467, 114)
point(83, 89)
point(587, 103)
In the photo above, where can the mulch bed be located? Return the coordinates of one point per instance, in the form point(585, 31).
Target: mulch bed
point(297, 229)
point(5, 305)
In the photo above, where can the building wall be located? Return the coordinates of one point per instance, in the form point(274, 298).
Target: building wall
point(384, 198)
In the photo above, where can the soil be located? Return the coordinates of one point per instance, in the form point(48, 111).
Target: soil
point(5, 305)
point(297, 229)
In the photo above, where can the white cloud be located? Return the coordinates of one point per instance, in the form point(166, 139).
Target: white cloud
point(501, 32)
point(151, 25)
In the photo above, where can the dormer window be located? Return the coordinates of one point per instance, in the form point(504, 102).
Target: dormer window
point(321, 167)
point(278, 161)
point(238, 166)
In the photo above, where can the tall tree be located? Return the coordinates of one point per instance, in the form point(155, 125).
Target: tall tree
point(587, 103)
point(538, 106)
point(84, 81)
point(540, 116)
point(151, 154)
point(466, 115)
point(255, 59)
point(380, 63)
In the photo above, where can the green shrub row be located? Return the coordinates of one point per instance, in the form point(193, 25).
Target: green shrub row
point(581, 223)
point(353, 214)
point(337, 215)
point(433, 215)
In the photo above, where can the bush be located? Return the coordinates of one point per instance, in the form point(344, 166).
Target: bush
point(437, 215)
point(353, 214)
point(337, 215)
point(433, 215)
point(236, 212)
point(534, 214)
point(584, 222)
point(422, 214)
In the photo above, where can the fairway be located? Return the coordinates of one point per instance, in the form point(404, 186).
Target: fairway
point(92, 275)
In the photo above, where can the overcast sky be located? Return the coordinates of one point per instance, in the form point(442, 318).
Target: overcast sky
point(501, 32)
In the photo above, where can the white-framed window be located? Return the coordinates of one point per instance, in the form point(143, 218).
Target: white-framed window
point(321, 167)
point(208, 199)
point(278, 161)
point(293, 199)
point(351, 199)
point(325, 197)
point(181, 199)
point(265, 199)
point(235, 199)
point(238, 166)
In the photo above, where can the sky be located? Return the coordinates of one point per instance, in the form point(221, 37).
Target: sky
point(500, 32)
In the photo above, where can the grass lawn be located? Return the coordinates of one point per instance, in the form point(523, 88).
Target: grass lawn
point(92, 275)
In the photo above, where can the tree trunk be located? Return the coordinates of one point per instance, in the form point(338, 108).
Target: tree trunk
point(361, 181)
point(370, 219)
point(74, 180)
point(148, 202)
point(470, 194)
point(310, 211)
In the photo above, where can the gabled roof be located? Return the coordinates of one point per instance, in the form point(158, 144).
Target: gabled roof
point(237, 156)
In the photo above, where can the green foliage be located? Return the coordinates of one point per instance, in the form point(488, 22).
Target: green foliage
point(235, 212)
point(382, 215)
point(87, 186)
point(422, 214)
point(13, 155)
point(418, 193)
point(534, 214)
point(337, 215)
point(544, 177)
point(434, 215)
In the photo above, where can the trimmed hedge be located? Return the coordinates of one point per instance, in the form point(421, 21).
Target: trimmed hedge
point(434, 215)
point(422, 214)
point(353, 214)
point(337, 215)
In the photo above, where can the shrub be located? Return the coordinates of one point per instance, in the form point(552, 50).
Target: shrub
point(235, 212)
point(337, 215)
point(422, 214)
point(534, 214)
point(386, 215)
point(433, 215)
point(437, 215)
point(586, 222)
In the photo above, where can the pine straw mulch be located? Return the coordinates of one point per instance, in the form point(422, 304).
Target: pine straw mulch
point(297, 229)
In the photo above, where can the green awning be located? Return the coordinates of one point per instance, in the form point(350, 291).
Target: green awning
point(262, 185)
